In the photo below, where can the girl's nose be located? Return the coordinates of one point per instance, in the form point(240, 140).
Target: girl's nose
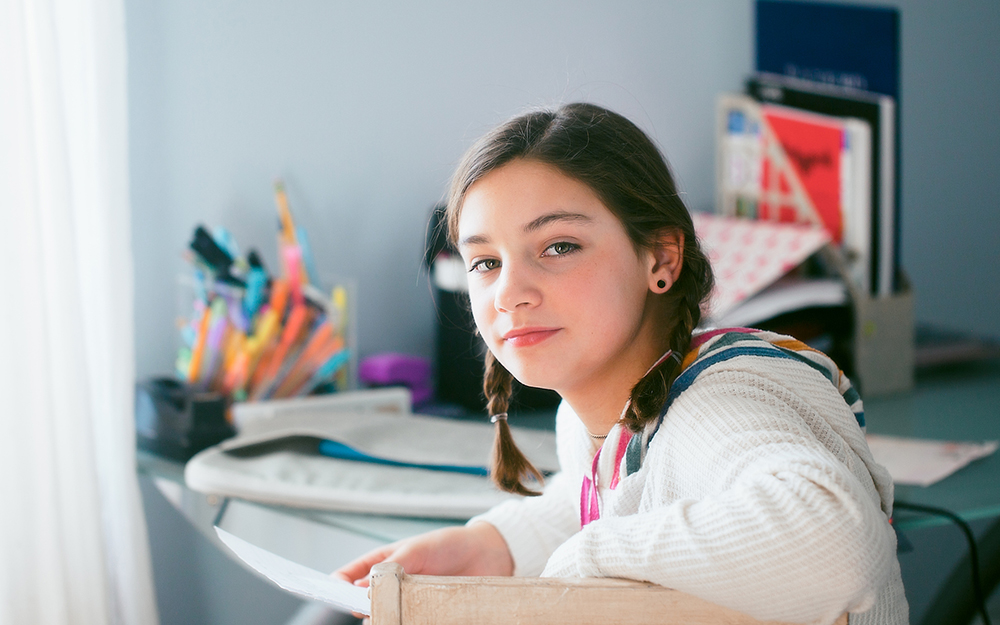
point(516, 288)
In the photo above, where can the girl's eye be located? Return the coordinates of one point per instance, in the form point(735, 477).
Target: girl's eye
point(484, 265)
point(561, 248)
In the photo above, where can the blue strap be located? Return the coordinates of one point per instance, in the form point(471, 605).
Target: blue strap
point(714, 355)
point(687, 378)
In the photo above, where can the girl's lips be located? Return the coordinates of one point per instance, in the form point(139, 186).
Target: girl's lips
point(526, 337)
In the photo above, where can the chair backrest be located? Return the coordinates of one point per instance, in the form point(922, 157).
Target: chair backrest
point(401, 599)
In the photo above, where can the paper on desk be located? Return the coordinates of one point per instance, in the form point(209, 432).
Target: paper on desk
point(924, 462)
point(297, 579)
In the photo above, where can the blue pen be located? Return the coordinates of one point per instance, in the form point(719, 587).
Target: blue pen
point(256, 281)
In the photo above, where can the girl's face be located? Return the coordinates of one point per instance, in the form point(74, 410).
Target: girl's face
point(558, 291)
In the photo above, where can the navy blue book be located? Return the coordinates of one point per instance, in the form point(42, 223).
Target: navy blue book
point(851, 47)
point(841, 44)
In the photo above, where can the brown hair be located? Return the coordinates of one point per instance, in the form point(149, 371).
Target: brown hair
point(628, 173)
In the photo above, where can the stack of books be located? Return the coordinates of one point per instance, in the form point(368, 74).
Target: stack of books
point(814, 141)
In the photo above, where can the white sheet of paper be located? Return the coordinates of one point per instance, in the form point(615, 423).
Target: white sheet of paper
point(924, 462)
point(297, 579)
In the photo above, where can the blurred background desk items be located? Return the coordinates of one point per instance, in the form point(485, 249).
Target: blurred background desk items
point(816, 140)
point(249, 335)
point(374, 462)
point(459, 350)
point(175, 421)
point(961, 403)
point(322, 540)
point(254, 334)
point(391, 369)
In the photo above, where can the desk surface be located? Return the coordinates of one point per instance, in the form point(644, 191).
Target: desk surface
point(960, 404)
point(952, 404)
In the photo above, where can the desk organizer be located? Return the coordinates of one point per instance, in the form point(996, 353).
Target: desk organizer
point(883, 342)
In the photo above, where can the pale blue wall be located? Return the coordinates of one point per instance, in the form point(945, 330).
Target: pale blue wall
point(951, 160)
point(365, 107)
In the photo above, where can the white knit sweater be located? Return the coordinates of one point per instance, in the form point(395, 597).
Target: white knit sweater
point(758, 493)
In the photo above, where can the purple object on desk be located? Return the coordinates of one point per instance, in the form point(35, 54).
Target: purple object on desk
point(392, 369)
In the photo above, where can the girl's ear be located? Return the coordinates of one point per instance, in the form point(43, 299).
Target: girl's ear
point(667, 258)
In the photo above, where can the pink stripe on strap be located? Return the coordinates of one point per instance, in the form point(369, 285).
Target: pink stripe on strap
point(589, 508)
point(623, 441)
point(588, 503)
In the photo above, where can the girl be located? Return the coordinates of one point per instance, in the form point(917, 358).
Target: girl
point(730, 465)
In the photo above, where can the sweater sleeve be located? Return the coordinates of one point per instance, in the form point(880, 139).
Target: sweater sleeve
point(746, 506)
point(534, 527)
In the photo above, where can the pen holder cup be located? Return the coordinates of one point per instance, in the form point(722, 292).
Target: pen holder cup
point(175, 421)
point(211, 372)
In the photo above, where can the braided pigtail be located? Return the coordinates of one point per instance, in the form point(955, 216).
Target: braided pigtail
point(686, 296)
point(648, 395)
point(509, 466)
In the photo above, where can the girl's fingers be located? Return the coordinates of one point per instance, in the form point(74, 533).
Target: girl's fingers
point(356, 571)
point(468, 550)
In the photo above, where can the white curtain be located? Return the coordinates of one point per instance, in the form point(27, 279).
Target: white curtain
point(73, 545)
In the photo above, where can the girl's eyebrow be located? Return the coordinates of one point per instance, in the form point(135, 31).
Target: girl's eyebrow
point(476, 239)
point(531, 226)
point(546, 219)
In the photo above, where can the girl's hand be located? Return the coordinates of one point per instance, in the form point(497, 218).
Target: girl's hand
point(476, 549)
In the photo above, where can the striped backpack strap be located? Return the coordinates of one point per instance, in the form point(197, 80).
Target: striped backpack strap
point(716, 346)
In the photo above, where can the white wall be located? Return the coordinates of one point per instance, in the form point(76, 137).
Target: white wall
point(364, 108)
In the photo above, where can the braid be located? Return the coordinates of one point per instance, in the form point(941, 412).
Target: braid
point(692, 288)
point(497, 384)
point(509, 466)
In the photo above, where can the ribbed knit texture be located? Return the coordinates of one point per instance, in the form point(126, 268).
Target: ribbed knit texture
point(757, 493)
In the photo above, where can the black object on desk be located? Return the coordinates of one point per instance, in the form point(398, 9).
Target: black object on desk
point(175, 421)
point(459, 349)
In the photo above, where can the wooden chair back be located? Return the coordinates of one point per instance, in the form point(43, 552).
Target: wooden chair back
point(401, 599)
